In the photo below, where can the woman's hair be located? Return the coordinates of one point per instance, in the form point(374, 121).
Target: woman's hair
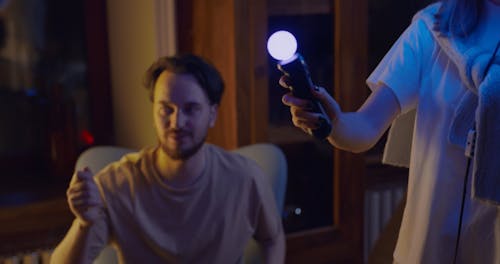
point(205, 73)
point(458, 18)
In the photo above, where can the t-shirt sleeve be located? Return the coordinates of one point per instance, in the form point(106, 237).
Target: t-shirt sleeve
point(99, 235)
point(401, 68)
point(97, 239)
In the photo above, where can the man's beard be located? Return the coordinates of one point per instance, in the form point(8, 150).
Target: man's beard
point(182, 154)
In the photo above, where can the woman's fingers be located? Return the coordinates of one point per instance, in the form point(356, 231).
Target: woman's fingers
point(303, 118)
point(305, 124)
point(301, 109)
point(290, 100)
point(284, 82)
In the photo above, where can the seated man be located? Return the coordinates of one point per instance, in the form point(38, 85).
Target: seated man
point(183, 201)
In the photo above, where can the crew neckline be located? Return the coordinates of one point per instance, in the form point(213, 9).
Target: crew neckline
point(200, 179)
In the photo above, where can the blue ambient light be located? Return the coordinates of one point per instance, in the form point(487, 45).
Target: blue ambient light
point(282, 45)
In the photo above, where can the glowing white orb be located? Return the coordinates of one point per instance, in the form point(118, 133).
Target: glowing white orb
point(282, 45)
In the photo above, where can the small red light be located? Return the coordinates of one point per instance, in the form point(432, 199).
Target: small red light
point(87, 137)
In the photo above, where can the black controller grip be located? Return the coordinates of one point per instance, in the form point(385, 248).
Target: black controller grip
point(300, 82)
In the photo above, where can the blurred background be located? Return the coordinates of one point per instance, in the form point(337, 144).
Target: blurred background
point(70, 78)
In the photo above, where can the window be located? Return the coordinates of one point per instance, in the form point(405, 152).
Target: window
point(47, 81)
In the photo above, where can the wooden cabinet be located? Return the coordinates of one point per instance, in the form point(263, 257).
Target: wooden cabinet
point(232, 34)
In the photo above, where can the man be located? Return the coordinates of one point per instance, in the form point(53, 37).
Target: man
point(184, 201)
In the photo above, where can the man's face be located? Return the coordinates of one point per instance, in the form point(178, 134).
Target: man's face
point(182, 114)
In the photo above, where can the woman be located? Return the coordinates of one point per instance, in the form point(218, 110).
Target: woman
point(443, 67)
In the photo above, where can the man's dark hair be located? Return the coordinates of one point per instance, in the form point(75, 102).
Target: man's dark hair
point(205, 73)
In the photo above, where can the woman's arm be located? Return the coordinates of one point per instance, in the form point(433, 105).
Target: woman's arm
point(352, 131)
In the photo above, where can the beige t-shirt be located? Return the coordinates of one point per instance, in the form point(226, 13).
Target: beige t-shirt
point(209, 221)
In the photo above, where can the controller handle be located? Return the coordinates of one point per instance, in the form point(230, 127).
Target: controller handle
point(300, 83)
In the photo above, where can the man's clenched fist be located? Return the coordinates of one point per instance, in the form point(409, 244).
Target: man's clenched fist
point(83, 197)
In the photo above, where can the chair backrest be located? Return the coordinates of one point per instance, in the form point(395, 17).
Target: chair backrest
point(96, 158)
point(273, 162)
point(268, 156)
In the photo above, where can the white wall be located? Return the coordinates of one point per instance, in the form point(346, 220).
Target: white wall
point(137, 33)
